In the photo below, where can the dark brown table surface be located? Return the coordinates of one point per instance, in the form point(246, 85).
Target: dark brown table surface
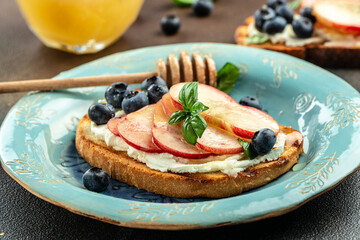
point(334, 215)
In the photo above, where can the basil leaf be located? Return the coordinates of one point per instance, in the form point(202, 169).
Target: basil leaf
point(198, 108)
point(294, 4)
point(194, 125)
point(188, 95)
point(227, 77)
point(188, 132)
point(247, 149)
point(184, 3)
point(177, 117)
point(193, 128)
point(257, 39)
point(198, 124)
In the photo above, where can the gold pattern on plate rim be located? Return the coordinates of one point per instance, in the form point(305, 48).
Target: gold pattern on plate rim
point(32, 169)
point(29, 115)
point(144, 212)
point(281, 69)
point(346, 110)
point(29, 112)
point(314, 176)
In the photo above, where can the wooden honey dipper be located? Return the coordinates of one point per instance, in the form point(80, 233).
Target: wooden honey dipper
point(185, 69)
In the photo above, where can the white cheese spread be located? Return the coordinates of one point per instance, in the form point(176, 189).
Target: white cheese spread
point(287, 37)
point(320, 36)
point(164, 162)
point(103, 133)
point(231, 165)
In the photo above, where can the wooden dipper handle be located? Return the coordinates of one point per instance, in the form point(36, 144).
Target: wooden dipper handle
point(186, 69)
point(52, 84)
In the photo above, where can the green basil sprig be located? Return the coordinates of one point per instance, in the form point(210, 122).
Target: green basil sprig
point(247, 149)
point(227, 77)
point(258, 38)
point(194, 125)
point(184, 3)
point(294, 4)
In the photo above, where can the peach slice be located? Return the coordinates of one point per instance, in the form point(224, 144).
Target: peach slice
point(169, 137)
point(112, 125)
point(307, 3)
point(136, 129)
point(340, 15)
point(225, 113)
point(213, 140)
point(168, 106)
point(219, 142)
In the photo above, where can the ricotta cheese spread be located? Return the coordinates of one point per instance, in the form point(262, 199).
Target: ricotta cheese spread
point(320, 36)
point(103, 133)
point(164, 162)
point(287, 37)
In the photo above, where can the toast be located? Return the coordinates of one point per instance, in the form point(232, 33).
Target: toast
point(188, 185)
point(319, 54)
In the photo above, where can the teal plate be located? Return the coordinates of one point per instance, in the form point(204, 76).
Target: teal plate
point(37, 140)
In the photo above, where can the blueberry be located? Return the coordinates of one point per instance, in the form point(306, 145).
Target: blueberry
point(303, 27)
point(133, 101)
point(275, 25)
point(101, 113)
point(96, 180)
point(307, 12)
point(275, 3)
point(202, 8)
point(251, 102)
point(156, 92)
point(115, 93)
point(285, 12)
point(152, 80)
point(170, 24)
point(262, 15)
point(263, 141)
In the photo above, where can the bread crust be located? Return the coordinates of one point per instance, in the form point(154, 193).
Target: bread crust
point(318, 54)
point(207, 185)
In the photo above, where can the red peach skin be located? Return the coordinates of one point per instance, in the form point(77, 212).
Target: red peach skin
point(169, 137)
point(225, 113)
point(136, 129)
point(342, 16)
point(112, 125)
point(213, 140)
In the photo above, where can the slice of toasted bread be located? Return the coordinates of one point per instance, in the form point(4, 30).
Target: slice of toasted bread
point(319, 54)
point(209, 185)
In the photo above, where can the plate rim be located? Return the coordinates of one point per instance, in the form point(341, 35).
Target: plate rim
point(164, 226)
